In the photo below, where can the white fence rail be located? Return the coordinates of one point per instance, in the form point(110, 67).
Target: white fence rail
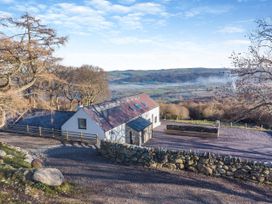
point(65, 136)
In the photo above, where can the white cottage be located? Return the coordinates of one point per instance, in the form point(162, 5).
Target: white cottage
point(125, 120)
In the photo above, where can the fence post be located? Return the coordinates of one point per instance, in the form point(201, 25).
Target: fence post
point(230, 124)
point(218, 127)
point(97, 141)
point(218, 123)
point(67, 136)
point(246, 125)
point(40, 131)
point(53, 135)
point(27, 128)
point(81, 137)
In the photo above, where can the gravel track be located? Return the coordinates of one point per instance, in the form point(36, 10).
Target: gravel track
point(245, 143)
point(104, 182)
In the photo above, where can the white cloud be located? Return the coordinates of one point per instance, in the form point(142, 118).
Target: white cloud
point(69, 15)
point(30, 8)
point(106, 6)
point(132, 16)
point(97, 14)
point(207, 10)
point(144, 8)
point(130, 21)
point(6, 1)
point(4, 14)
point(231, 29)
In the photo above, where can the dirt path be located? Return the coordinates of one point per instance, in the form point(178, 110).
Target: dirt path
point(27, 142)
point(105, 182)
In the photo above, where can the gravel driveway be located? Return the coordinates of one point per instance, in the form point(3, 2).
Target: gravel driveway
point(104, 182)
point(245, 143)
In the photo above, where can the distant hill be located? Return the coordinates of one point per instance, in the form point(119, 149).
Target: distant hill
point(179, 75)
point(170, 84)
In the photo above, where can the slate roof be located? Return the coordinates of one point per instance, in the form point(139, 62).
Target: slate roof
point(113, 113)
point(45, 118)
point(139, 124)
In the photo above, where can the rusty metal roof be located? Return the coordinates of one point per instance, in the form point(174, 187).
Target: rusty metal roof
point(114, 113)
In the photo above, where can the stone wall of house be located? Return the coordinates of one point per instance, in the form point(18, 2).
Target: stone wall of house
point(205, 163)
point(135, 136)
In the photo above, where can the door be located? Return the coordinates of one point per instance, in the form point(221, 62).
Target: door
point(143, 136)
point(130, 137)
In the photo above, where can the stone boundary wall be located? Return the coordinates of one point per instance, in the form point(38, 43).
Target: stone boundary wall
point(205, 163)
point(192, 128)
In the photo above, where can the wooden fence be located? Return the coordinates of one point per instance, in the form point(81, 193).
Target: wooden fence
point(64, 136)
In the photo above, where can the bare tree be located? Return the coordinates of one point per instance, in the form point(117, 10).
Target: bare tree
point(26, 54)
point(87, 84)
point(254, 71)
point(94, 84)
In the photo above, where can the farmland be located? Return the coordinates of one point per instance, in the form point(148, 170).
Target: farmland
point(170, 85)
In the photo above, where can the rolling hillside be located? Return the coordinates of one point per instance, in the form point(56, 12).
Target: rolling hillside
point(170, 84)
point(168, 75)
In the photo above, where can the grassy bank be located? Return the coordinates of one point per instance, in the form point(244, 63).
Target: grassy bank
point(16, 182)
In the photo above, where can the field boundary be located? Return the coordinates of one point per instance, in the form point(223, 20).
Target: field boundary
point(222, 124)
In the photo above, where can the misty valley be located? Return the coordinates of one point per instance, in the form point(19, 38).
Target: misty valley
point(171, 85)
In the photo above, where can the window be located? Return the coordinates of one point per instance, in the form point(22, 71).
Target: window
point(82, 123)
point(138, 106)
point(132, 108)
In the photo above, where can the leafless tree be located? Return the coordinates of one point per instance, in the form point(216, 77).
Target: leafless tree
point(26, 54)
point(254, 71)
point(87, 84)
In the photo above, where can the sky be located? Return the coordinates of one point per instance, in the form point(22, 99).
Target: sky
point(145, 34)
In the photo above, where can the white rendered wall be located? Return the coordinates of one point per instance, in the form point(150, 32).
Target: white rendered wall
point(92, 127)
point(155, 112)
point(117, 134)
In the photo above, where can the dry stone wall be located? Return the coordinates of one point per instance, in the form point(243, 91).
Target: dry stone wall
point(205, 163)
